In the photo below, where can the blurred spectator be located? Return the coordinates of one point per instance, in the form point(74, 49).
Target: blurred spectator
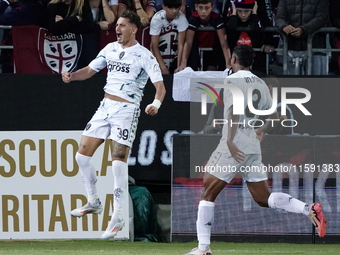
point(219, 58)
point(218, 5)
point(114, 7)
point(298, 19)
point(104, 13)
point(245, 15)
point(73, 16)
point(17, 13)
point(274, 4)
point(264, 11)
point(185, 9)
point(334, 7)
point(23, 12)
point(144, 8)
point(167, 30)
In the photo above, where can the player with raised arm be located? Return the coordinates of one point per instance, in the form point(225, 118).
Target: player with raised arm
point(240, 147)
point(129, 66)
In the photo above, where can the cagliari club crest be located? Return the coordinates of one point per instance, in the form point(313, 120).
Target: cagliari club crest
point(60, 53)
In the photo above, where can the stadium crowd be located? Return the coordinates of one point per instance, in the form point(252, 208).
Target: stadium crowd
point(200, 34)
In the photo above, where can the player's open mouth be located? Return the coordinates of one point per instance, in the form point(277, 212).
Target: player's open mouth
point(119, 35)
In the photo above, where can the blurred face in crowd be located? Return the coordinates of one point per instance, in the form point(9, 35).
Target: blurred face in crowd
point(204, 10)
point(125, 31)
point(170, 13)
point(243, 14)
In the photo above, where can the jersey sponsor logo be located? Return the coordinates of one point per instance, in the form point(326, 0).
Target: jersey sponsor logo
point(59, 53)
point(118, 66)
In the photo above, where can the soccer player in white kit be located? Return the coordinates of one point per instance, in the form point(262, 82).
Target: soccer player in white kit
point(129, 66)
point(239, 147)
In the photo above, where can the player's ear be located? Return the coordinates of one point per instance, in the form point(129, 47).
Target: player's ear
point(134, 30)
point(233, 59)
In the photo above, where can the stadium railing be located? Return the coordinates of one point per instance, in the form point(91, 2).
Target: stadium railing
point(311, 50)
point(284, 50)
point(6, 47)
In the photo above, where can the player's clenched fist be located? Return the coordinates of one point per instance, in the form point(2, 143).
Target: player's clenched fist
point(151, 110)
point(67, 77)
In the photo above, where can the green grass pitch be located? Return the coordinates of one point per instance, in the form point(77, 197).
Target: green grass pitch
point(90, 247)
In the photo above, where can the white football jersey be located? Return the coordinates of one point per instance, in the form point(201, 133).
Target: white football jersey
point(128, 70)
point(245, 138)
point(160, 25)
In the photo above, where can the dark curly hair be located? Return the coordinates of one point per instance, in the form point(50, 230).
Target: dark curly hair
point(244, 54)
point(172, 3)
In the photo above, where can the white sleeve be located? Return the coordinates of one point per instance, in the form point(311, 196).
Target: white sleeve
point(100, 61)
point(151, 67)
point(182, 22)
point(113, 2)
point(155, 26)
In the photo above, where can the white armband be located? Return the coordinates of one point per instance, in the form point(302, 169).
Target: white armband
point(156, 103)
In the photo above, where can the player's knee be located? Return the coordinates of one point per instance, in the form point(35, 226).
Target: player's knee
point(82, 160)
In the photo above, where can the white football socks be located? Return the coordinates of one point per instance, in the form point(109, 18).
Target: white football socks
point(205, 220)
point(286, 202)
point(89, 176)
point(120, 184)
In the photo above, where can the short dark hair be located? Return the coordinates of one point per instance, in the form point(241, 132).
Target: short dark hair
point(172, 3)
point(245, 55)
point(205, 2)
point(132, 17)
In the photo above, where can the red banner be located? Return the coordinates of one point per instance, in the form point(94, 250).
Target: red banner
point(38, 51)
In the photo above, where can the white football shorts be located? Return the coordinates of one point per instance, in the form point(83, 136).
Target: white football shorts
point(224, 167)
point(114, 120)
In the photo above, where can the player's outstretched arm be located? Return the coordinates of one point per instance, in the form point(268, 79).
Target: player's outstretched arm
point(79, 75)
point(152, 109)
